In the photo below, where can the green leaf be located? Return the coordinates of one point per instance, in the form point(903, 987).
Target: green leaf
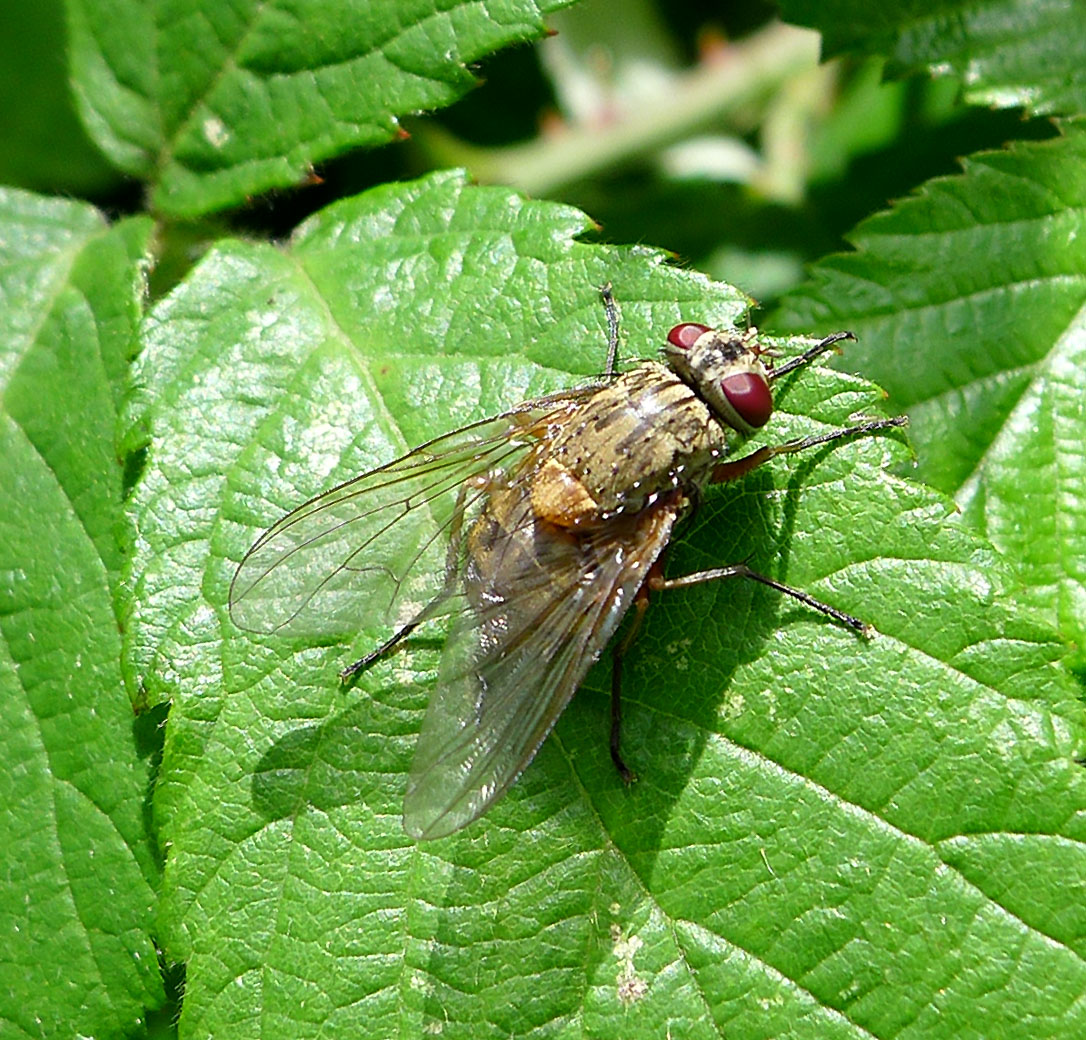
point(72, 294)
point(1007, 53)
point(822, 837)
point(76, 906)
point(45, 146)
point(967, 301)
point(217, 102)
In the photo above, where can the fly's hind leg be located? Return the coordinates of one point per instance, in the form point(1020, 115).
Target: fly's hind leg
point(656, 581)
point(741, 570)
point(641, 603)
point(611, 311)
point(452, 558)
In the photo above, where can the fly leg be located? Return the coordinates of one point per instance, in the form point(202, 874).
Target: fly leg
point(725, 471)
point(809, 355)
point(741, 570)
point(641, 604)
point(611, 311)
point(452, 557)
point(656, 581)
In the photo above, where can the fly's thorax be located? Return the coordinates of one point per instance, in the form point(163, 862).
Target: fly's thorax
point(724, 368)
point(644, 434)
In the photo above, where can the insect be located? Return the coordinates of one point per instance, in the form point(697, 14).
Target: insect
point(531, 534)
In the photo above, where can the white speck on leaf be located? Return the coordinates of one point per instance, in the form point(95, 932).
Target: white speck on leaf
point(215, 131)
point(733, 705)
point(631, 988)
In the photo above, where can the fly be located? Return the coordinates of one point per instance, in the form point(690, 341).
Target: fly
point(531, 534)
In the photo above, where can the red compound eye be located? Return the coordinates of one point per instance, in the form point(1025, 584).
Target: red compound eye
point(748, 393)
point(684, 336)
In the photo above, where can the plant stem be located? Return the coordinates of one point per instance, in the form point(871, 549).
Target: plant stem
point(745, 73)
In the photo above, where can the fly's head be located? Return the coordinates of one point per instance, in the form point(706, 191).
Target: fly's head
point(725, 370)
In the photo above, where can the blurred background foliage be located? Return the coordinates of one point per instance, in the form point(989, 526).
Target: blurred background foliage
point(709, 129)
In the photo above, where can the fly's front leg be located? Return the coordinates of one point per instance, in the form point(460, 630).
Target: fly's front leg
point(725, 471)
point(829, 343)
point(452, 558)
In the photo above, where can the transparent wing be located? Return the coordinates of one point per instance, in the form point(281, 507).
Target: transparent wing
point(373, 549)
point(538, 607)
